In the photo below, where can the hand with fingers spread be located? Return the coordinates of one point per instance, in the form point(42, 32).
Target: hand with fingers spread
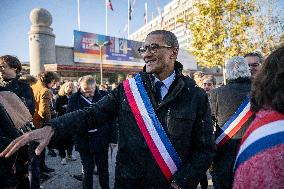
point(42, 136)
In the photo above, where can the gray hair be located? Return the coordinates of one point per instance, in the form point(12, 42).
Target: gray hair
point(237, 68)
point(87, 80)
point(209, 78)
point(170, 38)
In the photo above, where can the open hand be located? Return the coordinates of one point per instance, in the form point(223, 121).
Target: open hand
point(42, 136)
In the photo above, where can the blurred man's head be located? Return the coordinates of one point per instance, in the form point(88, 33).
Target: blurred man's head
point(254, 61)
point(197, 76)
point(49, 79)
point(160, 52)
point(208, 82)
point(87, 86)
point(10, 66)
point(236, 68)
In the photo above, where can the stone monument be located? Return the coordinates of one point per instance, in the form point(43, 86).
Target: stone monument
point(41, 41)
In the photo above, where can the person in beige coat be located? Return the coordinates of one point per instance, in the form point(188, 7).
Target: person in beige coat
point(43, 98)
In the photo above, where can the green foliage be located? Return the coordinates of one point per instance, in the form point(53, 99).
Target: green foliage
point(269, 27)
point(220, 30)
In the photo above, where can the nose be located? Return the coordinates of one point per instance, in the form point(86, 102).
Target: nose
point(147, 53)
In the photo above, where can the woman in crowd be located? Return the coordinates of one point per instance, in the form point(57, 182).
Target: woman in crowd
point(65, 91)
point(260, 160)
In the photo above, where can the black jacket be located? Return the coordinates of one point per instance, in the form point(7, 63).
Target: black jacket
point(224, 102)
point(86, 142)
point(185, 115)
point(60, 103)
point(22, 90)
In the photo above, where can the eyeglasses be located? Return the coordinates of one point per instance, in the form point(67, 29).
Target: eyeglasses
point(255, 64)
point(153, 48)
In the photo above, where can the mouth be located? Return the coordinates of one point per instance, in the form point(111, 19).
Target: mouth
point(151, 61)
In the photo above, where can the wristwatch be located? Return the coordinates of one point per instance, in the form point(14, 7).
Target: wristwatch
point(174, 185)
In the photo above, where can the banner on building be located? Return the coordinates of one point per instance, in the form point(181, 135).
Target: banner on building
point(115, 51)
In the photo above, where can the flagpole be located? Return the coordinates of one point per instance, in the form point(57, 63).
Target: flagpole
point(128, 19)
point(146, 13)
point(78, 14)
point(106, 15)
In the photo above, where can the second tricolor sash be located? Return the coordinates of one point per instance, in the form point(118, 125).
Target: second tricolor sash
point(235, 123)
point(150, 127)
point(262, 135)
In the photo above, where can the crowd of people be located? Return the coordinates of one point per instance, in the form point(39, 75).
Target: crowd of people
point(46, 97)
point(169, 128)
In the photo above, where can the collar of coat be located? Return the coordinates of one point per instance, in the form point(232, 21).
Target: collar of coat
point(181, 82)
point(240, 80)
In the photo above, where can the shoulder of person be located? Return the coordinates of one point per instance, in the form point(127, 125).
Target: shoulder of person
point(103, 93)
point(190, 83)
point(23, 83)
point(75, 96)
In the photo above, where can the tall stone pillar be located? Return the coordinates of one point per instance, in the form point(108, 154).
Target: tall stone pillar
point(41, 41)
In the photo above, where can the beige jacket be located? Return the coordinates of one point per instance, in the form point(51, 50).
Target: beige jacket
point(43, 98)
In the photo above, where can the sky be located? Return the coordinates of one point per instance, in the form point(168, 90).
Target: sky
point(15, 23)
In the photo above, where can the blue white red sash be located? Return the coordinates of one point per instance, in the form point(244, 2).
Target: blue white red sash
point(150, 127)
point(233, 125)
point(260, 136)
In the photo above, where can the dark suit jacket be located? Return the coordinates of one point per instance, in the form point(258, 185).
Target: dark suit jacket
point(86, 142)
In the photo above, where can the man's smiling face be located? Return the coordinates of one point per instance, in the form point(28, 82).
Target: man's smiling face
point(158, 60)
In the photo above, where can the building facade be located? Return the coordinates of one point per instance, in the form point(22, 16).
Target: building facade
point(169, 20)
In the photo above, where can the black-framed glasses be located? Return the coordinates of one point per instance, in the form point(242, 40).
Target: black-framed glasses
point(254, 65)
point(153, 48)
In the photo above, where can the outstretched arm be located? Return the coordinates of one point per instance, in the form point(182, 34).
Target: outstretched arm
point(78, 121)
point(42, 136)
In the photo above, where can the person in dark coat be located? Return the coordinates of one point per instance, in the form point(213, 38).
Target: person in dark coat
point(92, 145)
point(10, 68)
point(224, 102)
point(61, 103)
point(181, 108)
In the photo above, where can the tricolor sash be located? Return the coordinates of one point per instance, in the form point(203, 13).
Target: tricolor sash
point(235, 123)
point(262, 135)
point(150, 127)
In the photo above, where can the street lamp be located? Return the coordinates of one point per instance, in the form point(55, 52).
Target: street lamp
point(101, 45)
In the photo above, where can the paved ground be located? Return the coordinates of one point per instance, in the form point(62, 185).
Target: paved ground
point(61, 178)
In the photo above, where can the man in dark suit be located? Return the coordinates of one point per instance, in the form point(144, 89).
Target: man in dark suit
point(92, 145)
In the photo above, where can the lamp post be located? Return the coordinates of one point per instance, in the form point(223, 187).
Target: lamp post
point(101, 45)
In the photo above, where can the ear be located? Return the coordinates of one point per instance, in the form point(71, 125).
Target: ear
point(174, 53)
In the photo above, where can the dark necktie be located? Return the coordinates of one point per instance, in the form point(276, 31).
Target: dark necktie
point(158, 86)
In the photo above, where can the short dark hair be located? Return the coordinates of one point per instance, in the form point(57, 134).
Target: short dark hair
point(48, 77)
point(257, 54)
point(13, 62)
point(268, 85)
point(170, 37)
